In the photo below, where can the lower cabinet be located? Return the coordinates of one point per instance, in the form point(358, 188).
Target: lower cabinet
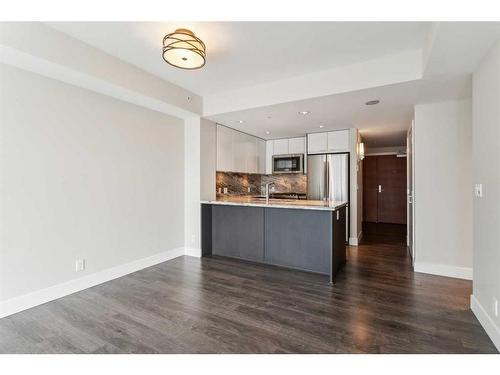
point(339, 241)
point(238, 232)
point(299, 239)
point(309, 240)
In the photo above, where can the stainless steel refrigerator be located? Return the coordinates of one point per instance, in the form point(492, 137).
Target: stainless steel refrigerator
point(328, 178)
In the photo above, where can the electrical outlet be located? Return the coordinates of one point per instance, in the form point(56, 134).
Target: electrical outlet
point(80, 265)
point(225, 190)
point(248, 189)
point(495, 307)
point(478, 190)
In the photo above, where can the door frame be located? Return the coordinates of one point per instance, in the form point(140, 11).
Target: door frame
point(410, 195)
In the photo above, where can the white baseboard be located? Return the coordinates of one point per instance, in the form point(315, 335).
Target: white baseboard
point(192, 252)
point(444, 270)
point(488, 324)
point(14, 305)
point(355, 241)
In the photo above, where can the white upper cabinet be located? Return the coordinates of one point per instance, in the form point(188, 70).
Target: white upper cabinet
point(224, 148)
point(317, 143)
point(289, 146)
point(261, 155)
point(297, 145)
point(239, 152)
point(251, 156)
point(280, 147)
point(336, 141)
point(243, 153)
point(269, 157)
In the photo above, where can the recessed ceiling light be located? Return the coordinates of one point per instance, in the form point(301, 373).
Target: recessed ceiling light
point(372, 102)
point(304, 112)
point(321, 126)
point(241, 121)
point(268, 132)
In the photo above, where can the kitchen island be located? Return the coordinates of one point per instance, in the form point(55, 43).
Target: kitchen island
point(300, 234)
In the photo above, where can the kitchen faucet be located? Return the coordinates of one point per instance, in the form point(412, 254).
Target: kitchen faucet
point(268, 185)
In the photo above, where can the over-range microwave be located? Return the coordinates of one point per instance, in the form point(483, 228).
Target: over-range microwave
point(291, 163)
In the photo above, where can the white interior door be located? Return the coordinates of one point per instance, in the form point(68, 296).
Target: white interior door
point(410, 192)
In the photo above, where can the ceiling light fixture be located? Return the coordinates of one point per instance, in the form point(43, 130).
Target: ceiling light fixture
point(304, 112)
point(361, 150)
point(184, 50)
point(268, 132)
point(372, 102)
point(241, 121)
point(321, 126)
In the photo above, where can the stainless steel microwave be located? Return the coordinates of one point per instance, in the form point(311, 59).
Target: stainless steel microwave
point(293, 163)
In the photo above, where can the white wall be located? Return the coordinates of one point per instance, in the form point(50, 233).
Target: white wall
point(82, 175)
point(201, 161)
point(192, 223)
point(355, 189)
point(359, 208)
point(208, 159)
point(486, 166)
point(443, 193)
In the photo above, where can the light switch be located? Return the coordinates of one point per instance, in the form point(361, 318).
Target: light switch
point(478, 190)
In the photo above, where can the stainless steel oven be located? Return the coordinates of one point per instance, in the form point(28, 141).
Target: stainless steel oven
point(293, 163)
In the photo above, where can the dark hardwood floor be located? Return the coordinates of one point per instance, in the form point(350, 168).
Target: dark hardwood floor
point(384, 233)
point(219, 305)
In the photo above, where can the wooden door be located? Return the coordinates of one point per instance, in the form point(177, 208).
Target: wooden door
point(384, 190)
point(391, 173)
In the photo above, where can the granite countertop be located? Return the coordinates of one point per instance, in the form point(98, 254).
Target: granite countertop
point(277, 203)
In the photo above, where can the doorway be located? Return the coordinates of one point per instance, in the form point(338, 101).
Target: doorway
point(385, 198)
point(410, 192)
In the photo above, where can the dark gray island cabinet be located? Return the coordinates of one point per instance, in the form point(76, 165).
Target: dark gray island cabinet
point(303, 238)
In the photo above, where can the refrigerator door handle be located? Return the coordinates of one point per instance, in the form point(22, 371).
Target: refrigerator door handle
point(327, 190)
point(325, 181)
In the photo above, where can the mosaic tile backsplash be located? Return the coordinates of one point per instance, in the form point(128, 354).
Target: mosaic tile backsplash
point(251, 184)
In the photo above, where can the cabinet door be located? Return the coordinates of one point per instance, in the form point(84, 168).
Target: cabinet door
point(269, 157)
point(317, 143)
point(239, 152)
point(251, 154)
point(261, 156)
point(224, 149)
point(297, 145)
point(238, 232)
point(280, 147)
point(338, 141)
point(298, 239)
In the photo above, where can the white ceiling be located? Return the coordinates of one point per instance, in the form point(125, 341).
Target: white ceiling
point(244, 55)
point(384, 124)
point(241, 54)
